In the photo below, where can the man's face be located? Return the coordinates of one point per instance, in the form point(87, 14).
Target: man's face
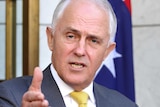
point(79, 44)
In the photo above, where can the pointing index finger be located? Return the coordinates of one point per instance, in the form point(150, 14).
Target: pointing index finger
point(37, 80)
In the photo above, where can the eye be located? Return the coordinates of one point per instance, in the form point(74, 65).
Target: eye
point(94, 40)
point(70, 36)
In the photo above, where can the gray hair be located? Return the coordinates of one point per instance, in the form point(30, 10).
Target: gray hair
point(104, 4)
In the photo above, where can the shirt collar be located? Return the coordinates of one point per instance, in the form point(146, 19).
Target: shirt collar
point(66, 89)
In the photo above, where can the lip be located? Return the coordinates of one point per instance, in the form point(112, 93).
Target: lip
point(77, 65)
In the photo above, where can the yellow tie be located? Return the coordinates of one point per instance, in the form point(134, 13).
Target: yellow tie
point(80, 97)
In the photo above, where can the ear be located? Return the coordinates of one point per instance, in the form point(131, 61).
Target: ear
point(110, 48)
point(49, 38)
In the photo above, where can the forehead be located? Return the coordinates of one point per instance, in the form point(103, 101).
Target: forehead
point(85, 8)
point(84, 14)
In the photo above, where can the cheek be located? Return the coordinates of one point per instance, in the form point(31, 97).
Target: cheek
point(95, 53)
point(96, 57)
point(62, 51)
point(59, 45)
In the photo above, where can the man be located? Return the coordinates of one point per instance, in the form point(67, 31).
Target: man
point(80, 39)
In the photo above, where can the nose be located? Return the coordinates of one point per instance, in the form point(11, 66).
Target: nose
point(80, 49)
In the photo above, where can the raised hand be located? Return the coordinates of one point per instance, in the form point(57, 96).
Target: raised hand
point(34, 97)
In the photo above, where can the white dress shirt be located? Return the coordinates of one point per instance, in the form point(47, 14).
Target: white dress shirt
point(66, 90)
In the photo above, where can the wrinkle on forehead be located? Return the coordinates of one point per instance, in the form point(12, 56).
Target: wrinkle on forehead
point(82, 14)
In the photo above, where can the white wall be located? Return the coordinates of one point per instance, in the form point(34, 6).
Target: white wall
point(46, 11)
point(2, 40)
point(146, 39)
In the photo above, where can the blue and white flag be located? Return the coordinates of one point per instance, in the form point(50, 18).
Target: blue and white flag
point(117, 70)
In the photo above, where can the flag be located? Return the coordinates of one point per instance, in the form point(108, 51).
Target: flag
point(117, 70)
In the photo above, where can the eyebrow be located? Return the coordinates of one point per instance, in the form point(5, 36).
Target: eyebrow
point(73, 30)
point(79, 33)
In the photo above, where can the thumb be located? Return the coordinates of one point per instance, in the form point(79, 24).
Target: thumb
point(37, 80)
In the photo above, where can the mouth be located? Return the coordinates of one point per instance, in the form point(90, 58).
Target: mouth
point(77, 65)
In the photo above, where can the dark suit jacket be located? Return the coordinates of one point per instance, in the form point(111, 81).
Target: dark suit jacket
point(11, 93)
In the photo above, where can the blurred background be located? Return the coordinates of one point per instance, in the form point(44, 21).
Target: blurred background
point(20, 52)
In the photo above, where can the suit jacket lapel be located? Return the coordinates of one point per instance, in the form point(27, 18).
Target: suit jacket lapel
point(101, 97)
point(51, 90)
point(53, 95)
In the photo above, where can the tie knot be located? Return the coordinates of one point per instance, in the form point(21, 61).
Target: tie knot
point(80, 97)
